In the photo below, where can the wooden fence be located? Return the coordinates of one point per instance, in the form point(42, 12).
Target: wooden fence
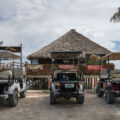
point(91, 82)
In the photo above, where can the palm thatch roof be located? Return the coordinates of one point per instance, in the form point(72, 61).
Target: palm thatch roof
point(71, 41)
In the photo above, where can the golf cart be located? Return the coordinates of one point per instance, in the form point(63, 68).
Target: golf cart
point(109, 83)
point(12, 82)
point(67, 81)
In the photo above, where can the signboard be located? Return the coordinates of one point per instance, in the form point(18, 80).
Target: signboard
point(93, 59)
point(35, 67)
point(11, 48)
point(94, 67)
point(66, 66)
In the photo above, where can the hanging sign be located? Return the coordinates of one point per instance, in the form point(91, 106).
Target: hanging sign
point(11, 48)
point(66, 66)
point(35, 67)
point(94, 67)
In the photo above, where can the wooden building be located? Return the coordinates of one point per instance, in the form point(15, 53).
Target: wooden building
point(39, 71)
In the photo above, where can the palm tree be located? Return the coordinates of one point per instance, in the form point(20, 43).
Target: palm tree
point(116, 16)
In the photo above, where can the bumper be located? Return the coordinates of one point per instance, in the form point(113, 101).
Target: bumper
point(68, 94)
point(3, 97)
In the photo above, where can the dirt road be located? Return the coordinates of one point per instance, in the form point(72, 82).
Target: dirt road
point(36, 107)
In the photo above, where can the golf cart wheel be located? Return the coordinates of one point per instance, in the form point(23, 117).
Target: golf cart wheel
point(99, 93)
point(52, 99)
point(109, 97)
point(13, 99)
point(80, 99)
point(23, 94)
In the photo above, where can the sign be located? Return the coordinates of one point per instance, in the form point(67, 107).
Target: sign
point(94, 67)
point(94, 59)
point(35, 67)
point(11, 48)
point(66, 66)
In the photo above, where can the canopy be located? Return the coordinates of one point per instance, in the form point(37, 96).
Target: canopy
point(4, 54)
point(66, 55)
point(111, 56)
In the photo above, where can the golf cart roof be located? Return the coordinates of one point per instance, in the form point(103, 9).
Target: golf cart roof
point(7, 55)
point(111, 56)
point(66, 54)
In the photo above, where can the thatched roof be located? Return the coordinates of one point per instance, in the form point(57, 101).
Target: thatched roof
point(71, 41)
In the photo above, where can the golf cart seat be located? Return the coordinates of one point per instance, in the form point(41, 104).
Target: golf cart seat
point(4, 76)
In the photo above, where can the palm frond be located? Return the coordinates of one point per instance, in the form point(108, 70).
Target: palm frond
point(116, 16)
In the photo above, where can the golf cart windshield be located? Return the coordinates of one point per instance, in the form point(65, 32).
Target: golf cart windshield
point(66, 75)
point(6, 67)
point(112, 56)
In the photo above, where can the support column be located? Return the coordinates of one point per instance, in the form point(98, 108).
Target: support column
point(48, 83)
point(93, 81)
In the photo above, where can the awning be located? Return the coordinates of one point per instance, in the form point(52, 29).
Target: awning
point(111, 56)
point(4, 54)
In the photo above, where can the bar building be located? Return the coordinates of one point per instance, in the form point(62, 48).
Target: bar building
point(38, 73)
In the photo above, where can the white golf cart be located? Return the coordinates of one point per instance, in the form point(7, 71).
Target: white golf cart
point(11, 78)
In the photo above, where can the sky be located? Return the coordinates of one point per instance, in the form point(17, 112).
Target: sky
point(36, 23)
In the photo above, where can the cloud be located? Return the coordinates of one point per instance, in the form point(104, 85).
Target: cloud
point(36, 23)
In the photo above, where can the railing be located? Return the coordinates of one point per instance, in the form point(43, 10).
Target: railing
point(91, 76)
point(46, 69)
point(91, 82)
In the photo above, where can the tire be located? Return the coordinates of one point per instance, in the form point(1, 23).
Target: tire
point(52, 99)
point(80, 99)
point(13, 99)
point(23, 94)
point(99, 93)
point(109, 97)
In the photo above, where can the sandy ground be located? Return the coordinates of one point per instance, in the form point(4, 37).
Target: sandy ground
point(36, 107)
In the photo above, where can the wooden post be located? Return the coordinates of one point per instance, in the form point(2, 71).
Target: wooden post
point(95, 83)
point(48, 83)
point(13, 67)
point(21, 61)
point(93, 79)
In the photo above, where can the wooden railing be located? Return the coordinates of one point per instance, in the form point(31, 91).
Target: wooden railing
point(46, 69)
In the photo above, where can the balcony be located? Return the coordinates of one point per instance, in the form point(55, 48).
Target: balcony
point(46, 69)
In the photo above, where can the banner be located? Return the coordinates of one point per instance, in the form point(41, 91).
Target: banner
point(66, 66)
point(35, 67)
point(11, 48)
point(94, 67)
point(94, 59)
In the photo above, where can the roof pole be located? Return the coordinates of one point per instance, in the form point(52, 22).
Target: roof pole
point(100, 73)
point(0, 46)
point(21, 61)
point(108, 68)
point(13, 68)
point(52, 67)
point(78, 63)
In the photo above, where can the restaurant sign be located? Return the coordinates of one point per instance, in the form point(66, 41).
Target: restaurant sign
point(35, 67)
point(11, 48)
point(94, 67)
point(94, 59)
point(66, 66)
